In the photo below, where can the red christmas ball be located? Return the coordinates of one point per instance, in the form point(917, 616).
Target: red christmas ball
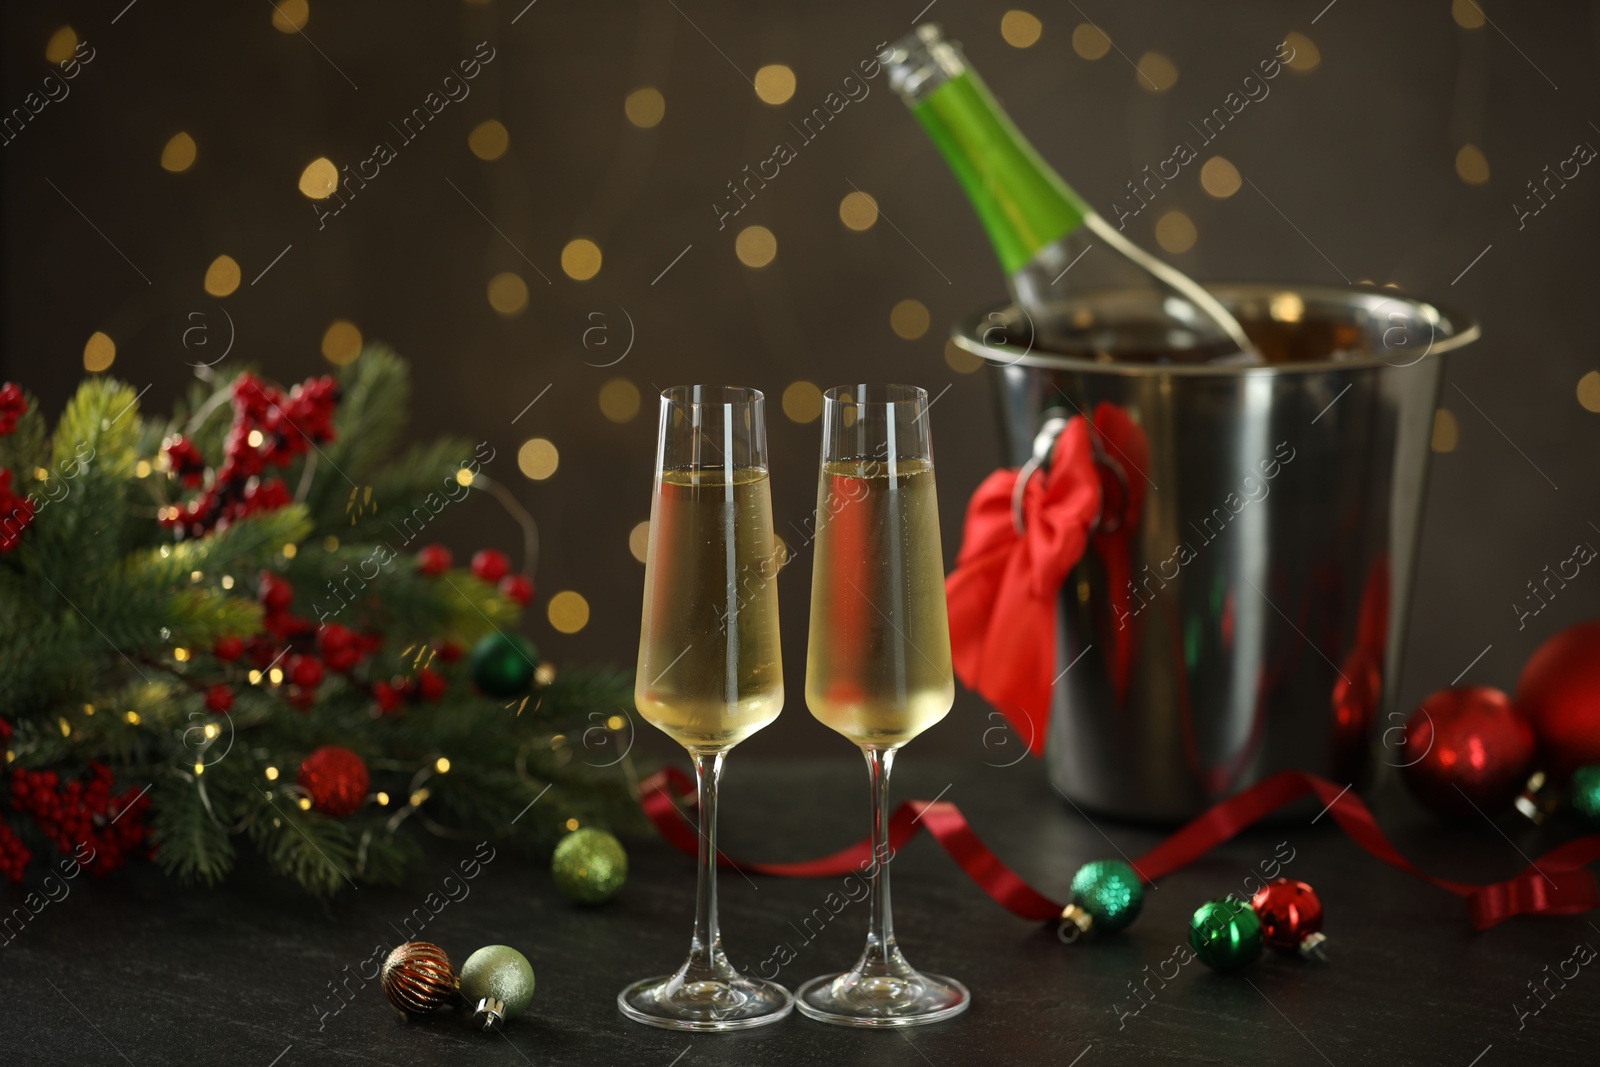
point(490, 564)
point(1473, 752)
point(228, 648)
point(1290, 914)
point(433, 560)
point(517, 589)
point(1559, 694)
point(219, 698)
point(336, 779)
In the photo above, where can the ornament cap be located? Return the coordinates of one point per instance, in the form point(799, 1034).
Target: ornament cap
point(1311, 946)
point(1536, 802)
point(490, 1012)
point(1075, 922)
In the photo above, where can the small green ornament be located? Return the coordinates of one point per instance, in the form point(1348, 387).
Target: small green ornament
point(589, 865)
point(497, 983)
point(502, 664)
point(1583, 792)
point(1225, 934)
point(1110, 892)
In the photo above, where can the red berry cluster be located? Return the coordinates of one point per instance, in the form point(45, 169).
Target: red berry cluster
point(12, 406)
point(79, 814)
point(282, 427)
point(15, 513)
point(185, 461)
point(488, 564)
point(14, 855)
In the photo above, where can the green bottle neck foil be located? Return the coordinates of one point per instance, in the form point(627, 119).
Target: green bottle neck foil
point(1024, 205)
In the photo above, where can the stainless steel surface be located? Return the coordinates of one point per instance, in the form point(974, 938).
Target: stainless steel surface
point(1243, 607)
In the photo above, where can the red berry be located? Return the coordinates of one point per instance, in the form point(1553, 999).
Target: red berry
point(228, 648)
point(276, 593)
point(517, 589)
point(301, 698)
point(490, 564)
point(433, 560)
point(305, 671)
point(449, 651)
point(332, 636)
point(219, 698)
point(430, 684)
point(384, 693)
point(341, 659)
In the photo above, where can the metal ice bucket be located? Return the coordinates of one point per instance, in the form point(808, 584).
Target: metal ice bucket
point(1242, 606)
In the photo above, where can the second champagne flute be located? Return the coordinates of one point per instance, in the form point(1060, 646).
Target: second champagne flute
point(709, 670)
point(878, 662)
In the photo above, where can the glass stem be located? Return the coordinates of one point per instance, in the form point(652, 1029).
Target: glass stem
point(882, 955)
point(705, 951)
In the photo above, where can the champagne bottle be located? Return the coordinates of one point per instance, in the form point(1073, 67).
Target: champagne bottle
point(1087, 290)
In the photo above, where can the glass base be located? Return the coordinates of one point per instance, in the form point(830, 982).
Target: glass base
point(901, 999)
point(734, 1002)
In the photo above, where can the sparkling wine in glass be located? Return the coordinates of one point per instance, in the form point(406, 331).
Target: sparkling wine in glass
point(709, 674)
point(878, 661)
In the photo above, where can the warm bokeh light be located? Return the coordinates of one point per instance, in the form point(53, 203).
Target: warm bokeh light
point(568, 611)
point(61, 45)
point(341, 342)
point(639, 540)
point(290, 16)
point(1468, 15)
point(858, 211)
point(1020, 28)
point(489, 140)
point(909, 319)
point(774, 83)
point(645, 107)
point(1445, 432)
point(959, 359)
point(1306, 55)
point(802, 401)
point(177, 155)
point(580, 259)
point(320, 178)
point(508, 293)
point(1090, 42)
point(538, 458)
point(1472, 166)
point(1175, 232)
point(98, 352)
point(755, 246)
point(1219, 177)
point(619, 400)
point(1589, 391)
point(1157, 73)
point(222, 277)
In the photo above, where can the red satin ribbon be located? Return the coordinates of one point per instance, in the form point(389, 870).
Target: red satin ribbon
point(1554, 884)
point(1002, 592)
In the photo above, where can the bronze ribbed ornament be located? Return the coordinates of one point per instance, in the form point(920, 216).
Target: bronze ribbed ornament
point(417, 977)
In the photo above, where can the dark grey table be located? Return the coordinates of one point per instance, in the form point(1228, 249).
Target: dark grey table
point(134, 970)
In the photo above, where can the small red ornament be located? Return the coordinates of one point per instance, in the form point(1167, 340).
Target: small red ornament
point(1559, 693)
point(517, 589)
point(305, 671)
point(219, 698)
point(490, 564)
point(1291, 916)
point(336, 779)
point(12, 407)
point(433, 560)
point(388, 700)
point(276, 593)
point(430, 684)
point(449, 651)
point(228, 648)
point(1470, 749)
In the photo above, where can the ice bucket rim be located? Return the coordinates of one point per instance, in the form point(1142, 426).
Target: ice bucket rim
point(1450, 330)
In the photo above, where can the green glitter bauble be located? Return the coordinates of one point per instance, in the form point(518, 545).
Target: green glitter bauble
point(589, 865)
point(1583, 792)
point(499, 972)
point(1110, 891)
point(1225, 934)
point(502, 664)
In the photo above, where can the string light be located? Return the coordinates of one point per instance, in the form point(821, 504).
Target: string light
point(538, 458)
point(1021, 29)
point(276, 674)
point(489, 140)
point(255, 677)
point(568, 611)
point(858, 211)
point(271, 774)
point(98, 352)
point(141, 469)
point(417, 798)
point(305, 803)
point(212, 731)
point(802, 402)
point(1090, 42)
point(181, 654)
point(755, 246)
point(178, 154)
point(442, 765)
point(774, 84)
point(619, 400)
point(132, 717)
point(291, 550)
point(383, 799)
point(909, 319)
point(508, 294)
point(66, 727)
point(1589, 391)
point(1175, 232)
point(341, 342)
point(223, 276)
point(959, 359)
point(639, 540)
point(1446, 434)
point(227, 581)
point(1157, 73)
point(580, 259)
point(645, 107)
point(572, 824)
point(320, 179)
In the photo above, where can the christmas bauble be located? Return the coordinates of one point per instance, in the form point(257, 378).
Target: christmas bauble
point(1110, 892)
point(502, 664)
point(1290, 914)
point(1475, 752)
point(490, 564)
point(497, 983)
point(1583, 792)
point(336, 779)
point(433, 560)
point(1225, 934)
point(1559, 694)
point(589, 865)
point(417, 978)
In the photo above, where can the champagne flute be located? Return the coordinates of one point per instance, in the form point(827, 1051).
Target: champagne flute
point(710, 673)
point(878, 662)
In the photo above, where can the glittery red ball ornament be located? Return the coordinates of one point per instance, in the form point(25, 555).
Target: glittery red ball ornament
point(1473, 752)
point(1559, 694)
point(490, 564)
point(433, 560)
point(336, 779)
point(1290, 914)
